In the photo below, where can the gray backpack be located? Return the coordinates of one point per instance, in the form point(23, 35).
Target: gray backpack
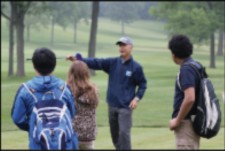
point(207, 118)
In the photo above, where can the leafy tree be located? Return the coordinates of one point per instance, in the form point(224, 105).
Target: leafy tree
point(65, 13)
point(81, 11)
point(143, 12)
point(35, 17)
point(15, 13)
point(60, 13)
point(198, 20)
point(18, 11)
point(123, 12)
point(215, 13)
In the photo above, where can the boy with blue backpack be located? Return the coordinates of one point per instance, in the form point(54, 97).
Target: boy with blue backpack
point(44, 106)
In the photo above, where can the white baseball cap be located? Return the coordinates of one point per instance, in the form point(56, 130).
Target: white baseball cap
point(125, 40)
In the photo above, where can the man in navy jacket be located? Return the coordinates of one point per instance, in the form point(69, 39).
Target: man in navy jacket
point(125, 75)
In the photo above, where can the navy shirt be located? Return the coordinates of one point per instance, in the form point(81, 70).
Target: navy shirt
point(187, 78)
point(124, 78)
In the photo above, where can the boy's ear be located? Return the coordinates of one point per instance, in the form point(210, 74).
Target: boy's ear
point(174, 57)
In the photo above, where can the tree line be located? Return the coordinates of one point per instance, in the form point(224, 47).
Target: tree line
point(199, 20)
point(22, 15)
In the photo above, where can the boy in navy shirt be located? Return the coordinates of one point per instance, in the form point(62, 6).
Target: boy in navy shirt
point(185, 93)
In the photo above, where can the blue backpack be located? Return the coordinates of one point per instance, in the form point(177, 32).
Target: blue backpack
point(52, 124)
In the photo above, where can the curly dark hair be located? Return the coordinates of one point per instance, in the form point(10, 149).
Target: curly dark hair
point(180, 46)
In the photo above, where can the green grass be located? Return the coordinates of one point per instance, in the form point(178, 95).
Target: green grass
point(141, 138)
point(150, 119)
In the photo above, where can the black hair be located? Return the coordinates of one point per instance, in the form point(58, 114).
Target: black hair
point(44, 60)
point(181, 46)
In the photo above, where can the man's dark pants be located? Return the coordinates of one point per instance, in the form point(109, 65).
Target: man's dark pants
point(120, 121)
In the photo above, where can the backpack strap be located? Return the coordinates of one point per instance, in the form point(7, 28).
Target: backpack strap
point(31, 91)
point(199, 70)
point(197, 67)
point(178, 80)
point(193, 66)
point(63, 89)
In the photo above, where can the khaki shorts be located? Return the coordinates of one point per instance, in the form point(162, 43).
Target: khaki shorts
point(86, 145)
point(186, 138)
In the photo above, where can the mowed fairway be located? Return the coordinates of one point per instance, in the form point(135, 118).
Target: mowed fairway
point(150, 120)
point(142, 138)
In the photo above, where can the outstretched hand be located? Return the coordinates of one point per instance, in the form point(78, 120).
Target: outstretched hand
point(71, 58)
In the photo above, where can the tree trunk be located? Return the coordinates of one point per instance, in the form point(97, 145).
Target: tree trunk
point(94, 25)
point(19, 10)
point(212, 51)
point(20, 45)
point(220, 43)
point(11, 42)
point(75, 32)
point(28, 33)
point(122, 28)
point(52, 33)
point(11, 46)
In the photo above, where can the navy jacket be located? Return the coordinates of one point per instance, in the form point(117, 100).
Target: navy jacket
point(124, 78)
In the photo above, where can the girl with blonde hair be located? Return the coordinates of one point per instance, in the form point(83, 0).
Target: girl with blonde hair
point(86, 100)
